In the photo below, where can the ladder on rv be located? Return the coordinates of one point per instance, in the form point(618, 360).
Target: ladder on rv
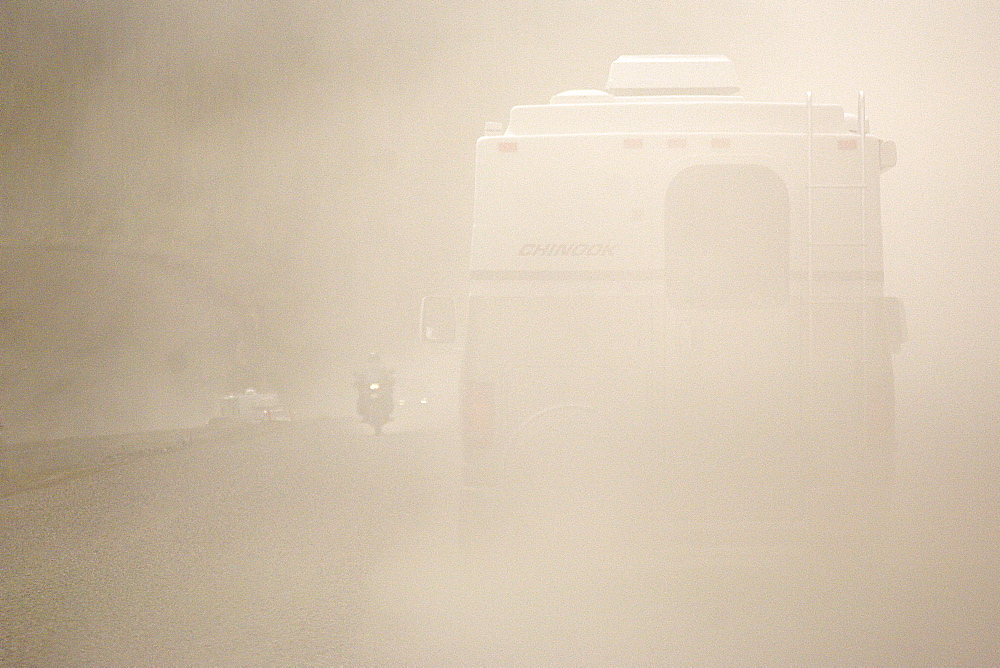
point(833, 298)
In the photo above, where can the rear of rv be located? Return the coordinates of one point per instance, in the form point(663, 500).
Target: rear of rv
point(667, 273)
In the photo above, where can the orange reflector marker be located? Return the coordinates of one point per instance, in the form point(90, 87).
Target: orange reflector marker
point(633, 142)
point(847, 144)
point(722, 142)
point(677, 142)
point(507, 146)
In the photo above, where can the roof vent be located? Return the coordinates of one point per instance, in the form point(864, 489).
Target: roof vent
point(672, 75)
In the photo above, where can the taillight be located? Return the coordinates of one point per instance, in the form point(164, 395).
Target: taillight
point(477, 414)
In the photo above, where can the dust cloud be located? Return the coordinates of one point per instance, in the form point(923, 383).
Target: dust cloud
point(200, 197)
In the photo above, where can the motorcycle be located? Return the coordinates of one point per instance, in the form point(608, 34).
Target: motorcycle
point(375, 403)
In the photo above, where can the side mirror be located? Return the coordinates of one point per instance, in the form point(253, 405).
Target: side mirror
point(887, 155)
point(437, 319)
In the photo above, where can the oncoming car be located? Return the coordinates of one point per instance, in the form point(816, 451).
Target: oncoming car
point(251, 407)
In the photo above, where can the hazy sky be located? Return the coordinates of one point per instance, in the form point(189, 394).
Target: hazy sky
point(327, 148)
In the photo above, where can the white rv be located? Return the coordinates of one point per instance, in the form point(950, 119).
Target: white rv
point(695, 274)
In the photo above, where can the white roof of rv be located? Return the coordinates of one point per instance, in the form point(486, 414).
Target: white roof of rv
point(581, 96)
point(656, 114)
point(672, 73)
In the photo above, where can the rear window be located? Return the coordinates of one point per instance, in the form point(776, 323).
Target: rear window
point(727, 236)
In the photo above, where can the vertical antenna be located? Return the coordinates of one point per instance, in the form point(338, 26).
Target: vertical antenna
point(805, 396)
point(865, 307)
point(809, 205)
